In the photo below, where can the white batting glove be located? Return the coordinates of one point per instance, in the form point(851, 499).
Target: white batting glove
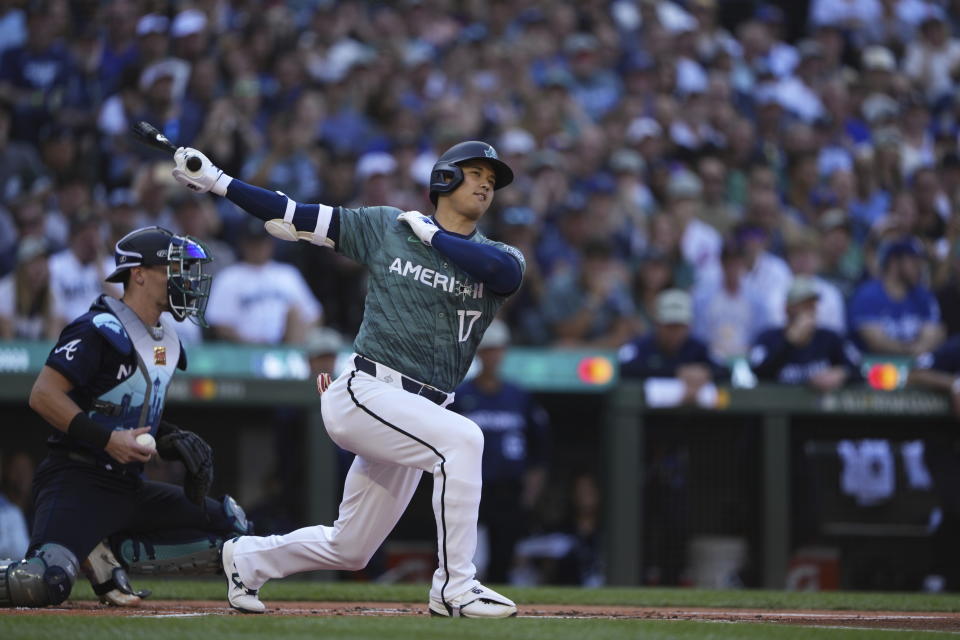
point(422, 226)
point(208, 178)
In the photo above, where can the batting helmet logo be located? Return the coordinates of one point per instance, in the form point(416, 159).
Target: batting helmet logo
point(446, 175)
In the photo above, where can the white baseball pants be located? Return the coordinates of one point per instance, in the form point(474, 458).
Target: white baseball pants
point(396, 436)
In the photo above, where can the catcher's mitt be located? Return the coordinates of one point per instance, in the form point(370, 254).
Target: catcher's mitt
point(196, 455)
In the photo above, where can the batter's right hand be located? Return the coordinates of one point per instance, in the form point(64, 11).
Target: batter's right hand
point(123, 446)
point(208, 178)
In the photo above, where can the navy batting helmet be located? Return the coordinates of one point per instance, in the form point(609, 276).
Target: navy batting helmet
point(447, 175)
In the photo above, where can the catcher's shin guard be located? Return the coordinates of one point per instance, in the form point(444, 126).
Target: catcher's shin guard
point(45, 578)
point(109, 579)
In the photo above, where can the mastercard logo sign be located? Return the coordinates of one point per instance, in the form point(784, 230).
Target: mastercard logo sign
point(595, 370)
point(203, 388)
point(884, 376)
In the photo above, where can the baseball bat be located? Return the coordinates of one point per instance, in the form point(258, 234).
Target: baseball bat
point(148, 134)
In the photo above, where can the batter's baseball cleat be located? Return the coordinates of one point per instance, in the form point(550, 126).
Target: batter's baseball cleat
point(477, 602)
point(109, 579)
point(240, 598)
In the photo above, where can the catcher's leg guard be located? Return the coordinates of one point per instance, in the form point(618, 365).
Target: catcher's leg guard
point(45, 578)
point(109, 580)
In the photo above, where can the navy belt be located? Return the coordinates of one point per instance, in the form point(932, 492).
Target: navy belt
point(409, 385)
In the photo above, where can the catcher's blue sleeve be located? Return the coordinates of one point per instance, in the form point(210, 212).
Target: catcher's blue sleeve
point(270, 205)
point(499, 270)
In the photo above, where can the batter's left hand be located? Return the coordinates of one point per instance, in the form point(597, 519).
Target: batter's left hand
point(422, 226)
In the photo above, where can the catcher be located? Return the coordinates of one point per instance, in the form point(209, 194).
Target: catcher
point(103, 386)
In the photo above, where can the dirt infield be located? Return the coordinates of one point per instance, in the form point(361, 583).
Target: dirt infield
point(927, 621)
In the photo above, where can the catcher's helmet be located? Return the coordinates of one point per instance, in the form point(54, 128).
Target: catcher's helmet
point(187, 285)
point(447, 175)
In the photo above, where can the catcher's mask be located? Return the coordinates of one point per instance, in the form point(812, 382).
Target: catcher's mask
point(188, 287)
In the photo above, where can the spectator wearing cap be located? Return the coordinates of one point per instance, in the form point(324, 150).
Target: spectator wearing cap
point(259, 301)
point(376, 179)
point(933, 59)
point(77, 273)
point(633, 198)
point(34, 77)
point(195, 215)
point(842, 261)
point(728, 315)
point(596, 88)
point(766, 275)
point(802, 352)
point(803, 258)
point(700, 242)
point(21, 169)
point(285, 165)
point(189, 33)
point(669, 350)
point(122, 215)
point(519, 227)
point(153, 38)
point(716, 209)
point(516, 450)
point(590, 305)
point(895, 313)
point(322, 347)
point(879, 70)
point(26, 309)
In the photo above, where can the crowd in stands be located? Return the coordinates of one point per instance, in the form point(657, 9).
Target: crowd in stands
point(786, 174)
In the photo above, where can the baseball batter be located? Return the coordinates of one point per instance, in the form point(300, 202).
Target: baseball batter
point(435, 285)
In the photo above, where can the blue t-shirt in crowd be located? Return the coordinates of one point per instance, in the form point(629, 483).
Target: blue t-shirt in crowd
point(945, 358)
point(774, 359)
point(515, 429)
point(643, 358)
point(901, 320)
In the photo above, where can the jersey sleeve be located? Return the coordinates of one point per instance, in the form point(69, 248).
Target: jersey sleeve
point(362, 230)
point(77, 352)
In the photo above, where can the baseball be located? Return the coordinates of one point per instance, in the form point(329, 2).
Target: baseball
point(146, 440)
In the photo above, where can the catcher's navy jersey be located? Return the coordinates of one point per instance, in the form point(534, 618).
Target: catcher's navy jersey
point(515, 428)
point(97, 356)
point(775, 359)
point(424, 316)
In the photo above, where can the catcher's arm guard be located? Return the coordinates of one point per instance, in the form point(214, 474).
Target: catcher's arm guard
point(196, 455)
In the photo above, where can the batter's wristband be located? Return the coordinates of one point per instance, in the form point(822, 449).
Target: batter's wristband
point(82, 427)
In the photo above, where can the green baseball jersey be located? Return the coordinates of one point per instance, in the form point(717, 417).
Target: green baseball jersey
point(424, 316)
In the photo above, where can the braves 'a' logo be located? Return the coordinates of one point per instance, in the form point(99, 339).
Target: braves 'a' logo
point(68, 349)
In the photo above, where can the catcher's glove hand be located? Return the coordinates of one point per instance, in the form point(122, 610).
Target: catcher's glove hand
point(196, 455)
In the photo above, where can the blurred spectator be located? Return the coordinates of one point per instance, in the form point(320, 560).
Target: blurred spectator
point(701, 242)
point(284, 164)
point(654, 274)
point(34, 77)
point(515, 452)
point(26, 308)
point(802, 352)
point(716, 209)
point(895, 313)
point(803, 257)
point(933, 59)
point(196, 216)
point(669, 351)
point(726, 315)
point(77, 273)
point(841, 257)
point(258, 300)
point(21, 170)
point(518, 228)
point(14, 537)
point(591, 305)
point(322, 346)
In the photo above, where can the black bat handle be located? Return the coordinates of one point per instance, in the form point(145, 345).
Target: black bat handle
point(194, 163)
